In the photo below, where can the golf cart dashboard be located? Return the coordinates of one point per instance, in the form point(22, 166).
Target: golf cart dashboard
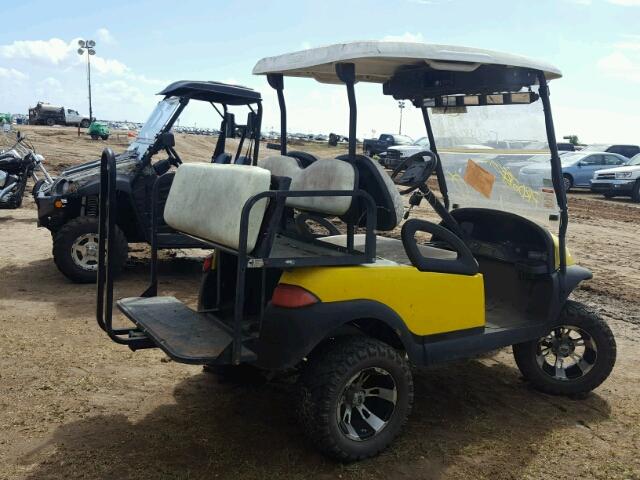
point(508, 238)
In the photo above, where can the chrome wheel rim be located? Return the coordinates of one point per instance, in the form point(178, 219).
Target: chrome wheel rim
point(366, 404)
point(84, 251)
point(567, 353)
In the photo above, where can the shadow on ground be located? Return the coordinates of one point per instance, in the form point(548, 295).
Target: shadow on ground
point(463, 413)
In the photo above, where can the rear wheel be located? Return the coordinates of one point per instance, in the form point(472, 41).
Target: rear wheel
point(575, 357)
point(355, 395)
point(75, 249)
point(568, 182)
point(51, 122)
point(84, 124)
point(104, 137)
point(94, 137)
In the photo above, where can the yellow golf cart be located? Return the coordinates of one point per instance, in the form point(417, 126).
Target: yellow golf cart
point(303, 278)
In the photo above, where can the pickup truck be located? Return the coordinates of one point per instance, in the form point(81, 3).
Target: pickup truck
point(620, 181)
point(47, 114)
point(373, 146)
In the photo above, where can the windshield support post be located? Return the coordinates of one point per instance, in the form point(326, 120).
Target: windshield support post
point(556, 170)
point(276, 81)
point(222, 137)
point(346, 72)
point(257, 135)
point(442, 184)
point(153, 149)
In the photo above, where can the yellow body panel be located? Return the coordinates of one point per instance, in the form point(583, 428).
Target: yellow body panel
point(556, 252)
point(427, 302)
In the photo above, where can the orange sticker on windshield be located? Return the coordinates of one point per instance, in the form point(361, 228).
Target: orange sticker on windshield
point(479, 179)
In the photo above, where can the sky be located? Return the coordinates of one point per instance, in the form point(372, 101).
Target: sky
point(143, 46)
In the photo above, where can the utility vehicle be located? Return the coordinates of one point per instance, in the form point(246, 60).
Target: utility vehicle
point(352, 313)
point(99, 130)
point(69, 207)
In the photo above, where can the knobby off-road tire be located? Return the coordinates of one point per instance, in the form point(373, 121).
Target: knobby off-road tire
point(332, 379)
point(592, 345)
point(75, 249)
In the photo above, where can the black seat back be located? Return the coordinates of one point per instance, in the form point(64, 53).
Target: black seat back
point(223, 159)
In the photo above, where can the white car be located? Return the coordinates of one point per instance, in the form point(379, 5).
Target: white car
point(619, 181)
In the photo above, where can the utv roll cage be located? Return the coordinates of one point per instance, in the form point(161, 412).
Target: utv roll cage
point(216, 93)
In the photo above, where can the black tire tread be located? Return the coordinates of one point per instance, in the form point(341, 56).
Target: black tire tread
point(323, 376)
point(61, 248)
point(635, 193)
point(573, 313)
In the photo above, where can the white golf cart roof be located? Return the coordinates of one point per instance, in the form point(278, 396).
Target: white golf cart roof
point(377, 61)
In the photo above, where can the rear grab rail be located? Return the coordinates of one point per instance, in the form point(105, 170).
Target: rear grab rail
point(106, 225)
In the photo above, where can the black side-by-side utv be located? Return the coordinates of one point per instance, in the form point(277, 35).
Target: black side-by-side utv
point(69, 206)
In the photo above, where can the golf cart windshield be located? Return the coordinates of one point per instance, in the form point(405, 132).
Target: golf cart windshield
point(157, 120)
point(497, 157)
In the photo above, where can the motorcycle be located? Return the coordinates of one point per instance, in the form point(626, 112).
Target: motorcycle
point(17, 164)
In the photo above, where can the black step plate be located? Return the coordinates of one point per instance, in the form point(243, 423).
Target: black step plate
point(185, 335)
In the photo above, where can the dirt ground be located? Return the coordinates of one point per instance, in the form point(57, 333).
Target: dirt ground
point(75, 405)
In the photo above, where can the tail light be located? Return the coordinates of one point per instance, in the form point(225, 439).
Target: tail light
point(208, 263)
point(292, 296)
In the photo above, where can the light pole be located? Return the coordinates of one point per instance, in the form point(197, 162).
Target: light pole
point(88, 45)
point(401, 107)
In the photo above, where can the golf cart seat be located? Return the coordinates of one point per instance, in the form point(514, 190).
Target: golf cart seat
point(324, 174)
point(340, 174)
point(223, 159)
point(197, 187)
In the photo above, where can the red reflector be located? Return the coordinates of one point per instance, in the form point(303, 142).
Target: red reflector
point(292, 296)
point(206, 266)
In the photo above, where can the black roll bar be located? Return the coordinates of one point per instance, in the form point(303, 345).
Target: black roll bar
point(556, 170)
point(346, 72)
point(276, 81)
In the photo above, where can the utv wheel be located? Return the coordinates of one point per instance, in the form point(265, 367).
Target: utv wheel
point(355, 396)
point(575, 357)
point(94, 137)
point(635, 193)
point(36, 187)
point(104, 137)
point(75, 249)
point(84, 124)
point(568, 182)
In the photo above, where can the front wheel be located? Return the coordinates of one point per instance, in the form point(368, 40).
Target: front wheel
point(75, 249)
point(104, 137)
point(84, 124)
point(575, 357)
point(568, 182)
point(355, 396)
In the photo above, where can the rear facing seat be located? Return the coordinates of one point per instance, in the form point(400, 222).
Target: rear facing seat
point(198, 188)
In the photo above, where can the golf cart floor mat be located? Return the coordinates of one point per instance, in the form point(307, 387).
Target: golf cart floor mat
point(185, 335)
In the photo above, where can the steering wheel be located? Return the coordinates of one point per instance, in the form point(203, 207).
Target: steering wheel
point(414, 171)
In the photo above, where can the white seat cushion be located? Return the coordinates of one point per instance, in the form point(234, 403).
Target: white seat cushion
point(206, 201)
point(323, 174)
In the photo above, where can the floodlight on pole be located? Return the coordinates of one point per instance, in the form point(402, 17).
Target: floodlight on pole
point(88, 46)
point(401, 107)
